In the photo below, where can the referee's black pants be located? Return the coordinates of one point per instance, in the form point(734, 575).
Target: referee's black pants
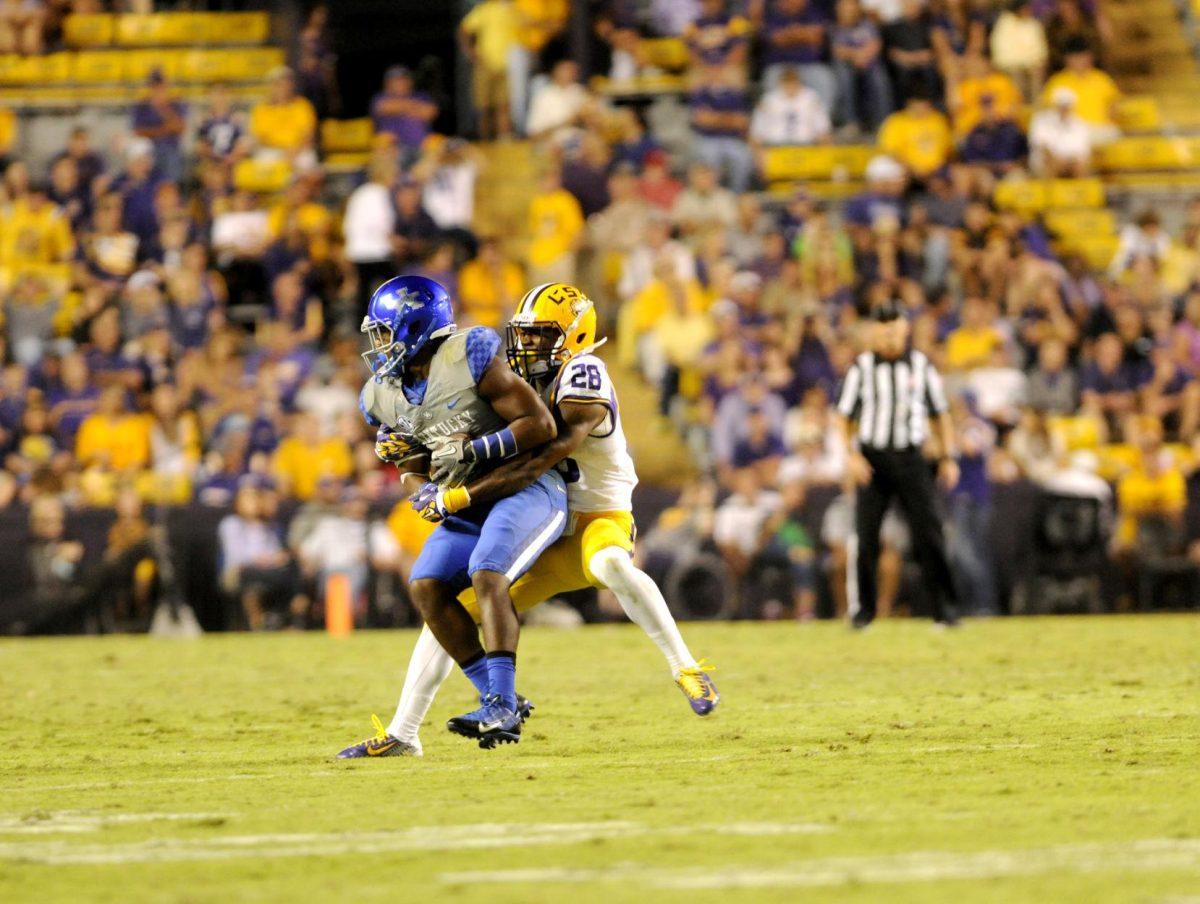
point(904, 475)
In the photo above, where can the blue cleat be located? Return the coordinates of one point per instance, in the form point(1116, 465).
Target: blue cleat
point(699, 689)
point(493, 723)
point(382, 744)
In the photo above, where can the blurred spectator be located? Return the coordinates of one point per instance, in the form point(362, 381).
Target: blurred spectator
point(255, 568)
point(138, 187)
point(790, 114)
point(959, 31)
point(34, 231)
point(918, 137)
point(346, 542)
point(240, 236)
point(414, 233)
point(795, 37)
point(1108, 383)
point(1143, 240)
point(995, 144)
point(402, 112)
point(305, 456)
point(488, 34)
point(970, 545)
point(658, 186)
point(982, 85)
point(1053, 386)
point(1151, 496)
point(704, 207)
point(449, 172)
point(89, 163)
point(160, 117)
point(1018, 45)
point(21, 26)
point(1096, 94)
point(556, 225)
point(653, 244)
point(585, 173)
point(56, 602)
point(1060, 140)
point(71, 196)
point(559, 105)
point(909, 43)
point(1072, 24)
point(367, 226)
point(284, 126)
point(489, 287)
point(113, 438)
point(718, 38)
point(221, 137)
point(863, 87)
point(539, 25)
point(720, 117)
point(740, 525)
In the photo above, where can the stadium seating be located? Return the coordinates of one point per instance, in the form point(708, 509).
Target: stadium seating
point(346, 143)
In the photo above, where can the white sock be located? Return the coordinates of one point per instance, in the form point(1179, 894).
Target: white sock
point(643, 602)
point(429, 666)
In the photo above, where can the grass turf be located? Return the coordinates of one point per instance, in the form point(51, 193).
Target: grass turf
point(1047, 759)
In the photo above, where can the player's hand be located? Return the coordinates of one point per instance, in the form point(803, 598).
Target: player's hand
point(425, 503)
point(435, 503)
point(451, 461)
point(860, 468)
point(948, 473)
point(392, 446)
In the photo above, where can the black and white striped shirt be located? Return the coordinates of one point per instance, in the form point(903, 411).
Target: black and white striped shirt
point(892, 400)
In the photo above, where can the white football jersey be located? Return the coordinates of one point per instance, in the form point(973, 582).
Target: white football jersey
point(600, 475)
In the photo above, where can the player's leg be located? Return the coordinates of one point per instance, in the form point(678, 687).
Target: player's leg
point(916, 494)
point(428, 668)
point(870, 504)
point(515, 533)
point(438, 575)
point(607, 545)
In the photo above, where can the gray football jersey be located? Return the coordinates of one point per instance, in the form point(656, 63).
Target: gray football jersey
point(452, 403)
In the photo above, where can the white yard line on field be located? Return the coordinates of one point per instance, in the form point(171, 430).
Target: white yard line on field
point(69, 821)
point(917, 866)
point(419, 838)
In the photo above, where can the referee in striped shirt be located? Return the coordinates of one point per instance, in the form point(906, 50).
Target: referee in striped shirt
point(887, 399)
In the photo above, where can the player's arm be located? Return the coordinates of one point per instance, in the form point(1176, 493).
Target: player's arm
point(530, 424)
point(579, 420)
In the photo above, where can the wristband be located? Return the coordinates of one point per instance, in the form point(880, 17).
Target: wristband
point(455, 499)
point(493, 446)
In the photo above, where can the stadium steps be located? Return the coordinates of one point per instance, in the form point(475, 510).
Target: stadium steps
point(506, 185)
point(661, 456)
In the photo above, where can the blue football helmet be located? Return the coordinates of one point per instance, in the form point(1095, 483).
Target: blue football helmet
point(404, 314)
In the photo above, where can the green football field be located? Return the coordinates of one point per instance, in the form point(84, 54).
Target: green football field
point(1013, 760)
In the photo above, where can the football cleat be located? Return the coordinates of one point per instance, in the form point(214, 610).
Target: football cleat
point(699, 689)
point(493, 723)
point(382, 744)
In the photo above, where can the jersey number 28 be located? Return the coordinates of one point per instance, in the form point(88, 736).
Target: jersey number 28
point(586, 377)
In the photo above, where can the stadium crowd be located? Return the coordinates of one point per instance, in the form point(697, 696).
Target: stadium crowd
point(171, 338)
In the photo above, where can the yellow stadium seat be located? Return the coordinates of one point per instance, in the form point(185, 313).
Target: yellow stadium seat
point(51, 69)
point(1082, 222)
point(98, 67)
point(1021, 195)
point(1097, 250)
point(1075, 193)
point(251, 64)
point(232, 28)
point(1138, 114)
point(347, 161)
point(664, 53)
point(346, 135)
point(1076, 432)
point(140, 63)
point(1149, 153)
point(262, 176)
point(156, 29)
point(820, 162)
point(89, 30)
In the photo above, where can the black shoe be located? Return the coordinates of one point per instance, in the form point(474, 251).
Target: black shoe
point(861, 622)
point(947, 619)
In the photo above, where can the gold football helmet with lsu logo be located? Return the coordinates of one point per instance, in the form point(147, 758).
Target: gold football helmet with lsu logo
point(553, 323)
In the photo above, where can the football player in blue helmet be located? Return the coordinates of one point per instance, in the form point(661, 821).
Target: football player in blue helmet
point(403, 315)
point(448, 406)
